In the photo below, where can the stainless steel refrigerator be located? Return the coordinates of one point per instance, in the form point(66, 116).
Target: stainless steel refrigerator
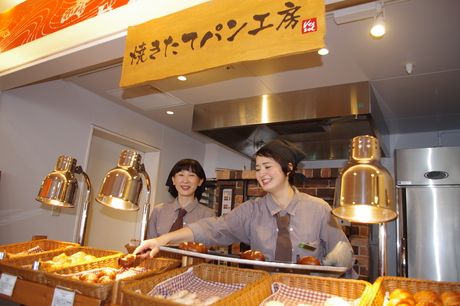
point(428, 196)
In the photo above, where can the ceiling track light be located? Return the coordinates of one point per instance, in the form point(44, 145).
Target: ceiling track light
point(378, 28)
point(323, 51)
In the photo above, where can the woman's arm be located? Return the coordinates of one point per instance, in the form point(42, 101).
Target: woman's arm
point(151, 247)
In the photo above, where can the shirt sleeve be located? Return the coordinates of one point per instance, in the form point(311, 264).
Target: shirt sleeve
point(331, 232)
point(152, 224)
point(233, 227)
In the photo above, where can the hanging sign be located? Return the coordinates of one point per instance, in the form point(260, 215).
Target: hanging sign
point(33, 19)
point(218, 33)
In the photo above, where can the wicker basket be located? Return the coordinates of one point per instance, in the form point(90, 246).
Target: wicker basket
point(135, 292)
point(46, 245)
point(22, 267)
point(388, 283)
point(345, 288)
point(108, 292)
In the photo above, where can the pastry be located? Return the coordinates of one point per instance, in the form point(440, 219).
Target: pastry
point(309, 260)
point(427, 298)
point(252, 255)
point(193, 247)
point(450, 298)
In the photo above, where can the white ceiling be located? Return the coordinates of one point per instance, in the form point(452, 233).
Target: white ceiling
point(421, 32)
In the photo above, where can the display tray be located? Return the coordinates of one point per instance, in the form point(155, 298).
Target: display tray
point(22, 267)
point(386, 284)
point(108, 291)
point(135, 293)
point(270, 264)
point(32, 247)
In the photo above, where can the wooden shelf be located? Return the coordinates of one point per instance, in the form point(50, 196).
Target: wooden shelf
point(30, 293)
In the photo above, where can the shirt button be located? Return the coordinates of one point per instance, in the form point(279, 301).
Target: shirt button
point(291, 229)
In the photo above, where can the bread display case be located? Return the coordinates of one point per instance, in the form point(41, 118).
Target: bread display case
point(384, 286)
point(32, 247)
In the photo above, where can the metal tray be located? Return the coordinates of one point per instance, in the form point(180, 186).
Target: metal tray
point(272, 264)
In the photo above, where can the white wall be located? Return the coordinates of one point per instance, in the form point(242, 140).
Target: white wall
point(40, 122)
point(218, 157)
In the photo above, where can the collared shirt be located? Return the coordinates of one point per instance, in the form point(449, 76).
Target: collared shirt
point(254, 223)
point(164, 214)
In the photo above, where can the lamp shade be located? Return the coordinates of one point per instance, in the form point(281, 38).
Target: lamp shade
point(365, 189)
point(122, 185)
point(59, 186)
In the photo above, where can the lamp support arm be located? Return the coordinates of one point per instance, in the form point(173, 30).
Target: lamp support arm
point(382, 258)
point(84, 213)
point(146, 208)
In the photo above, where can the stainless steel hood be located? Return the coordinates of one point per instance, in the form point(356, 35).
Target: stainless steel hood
point(322, 120)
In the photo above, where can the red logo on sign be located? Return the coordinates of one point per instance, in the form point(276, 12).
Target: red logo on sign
point(309, 25)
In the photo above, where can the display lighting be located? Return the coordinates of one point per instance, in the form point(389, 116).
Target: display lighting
point(365, 191)
point(122, 186)
point(59, 189)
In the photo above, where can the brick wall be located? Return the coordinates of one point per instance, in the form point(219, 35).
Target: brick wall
point(319, 183)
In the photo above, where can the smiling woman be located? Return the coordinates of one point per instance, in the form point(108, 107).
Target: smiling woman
point(274, 224)
point(186, 184)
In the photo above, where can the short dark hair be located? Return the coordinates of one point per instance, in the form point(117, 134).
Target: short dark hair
point(281, 160)
point(189, 165)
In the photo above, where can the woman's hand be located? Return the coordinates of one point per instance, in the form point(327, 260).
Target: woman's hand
point(148, 248)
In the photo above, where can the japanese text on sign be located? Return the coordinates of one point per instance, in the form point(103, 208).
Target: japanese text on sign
point(252, 30)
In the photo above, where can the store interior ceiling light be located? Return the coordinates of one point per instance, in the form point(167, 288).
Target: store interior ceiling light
point(378, 28)
point(323, 51)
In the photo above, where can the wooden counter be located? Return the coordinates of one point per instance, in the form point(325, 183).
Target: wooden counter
point(34, 294)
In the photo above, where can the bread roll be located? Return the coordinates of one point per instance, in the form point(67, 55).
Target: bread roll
point(193, 247)
point(401, 302)
point(309, 260)
point(105, 280)
point(127, 261)
point(89, 277)
point(450, 298)
point(252, 255)
point(400, 294)
point(427, 303)
point(107, 272)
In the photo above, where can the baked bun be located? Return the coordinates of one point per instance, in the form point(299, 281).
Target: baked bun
point(89, 277)
point(127, 261)
point(252, 255)
point(427, 298)
point(426, 303)
point(107, 272)
point(193, 247)
point(450, 298)
point(401, 302)
point(400, 294)
point(309, 260)
point(105, 280)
